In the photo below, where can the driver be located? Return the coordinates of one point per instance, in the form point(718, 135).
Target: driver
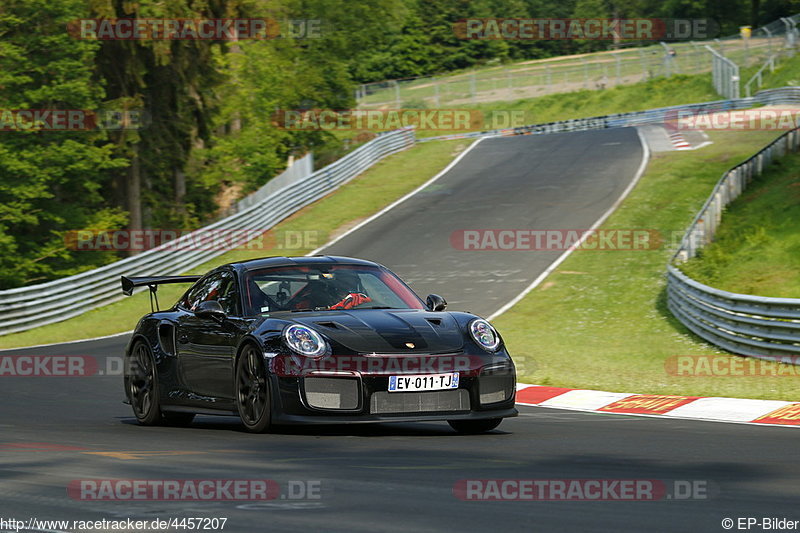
point(341, 287)
point(346, 287)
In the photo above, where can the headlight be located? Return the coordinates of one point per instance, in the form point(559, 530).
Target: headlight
point(484, 334)
point(304, 340)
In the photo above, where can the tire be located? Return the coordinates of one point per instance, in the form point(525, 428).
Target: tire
point(141, 385)
point(474, 427)
point(178, 419)
point(252, 391)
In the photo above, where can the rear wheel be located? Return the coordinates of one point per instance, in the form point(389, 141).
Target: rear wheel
point(141, 385)
point(252, 391)
point(473, 427)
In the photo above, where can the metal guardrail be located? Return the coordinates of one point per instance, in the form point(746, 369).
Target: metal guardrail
point(757, 78)
point(724, 74)
point(24, 308)
point(744, 324)
point(661, 115)
point(45, 303)
point(755, 326)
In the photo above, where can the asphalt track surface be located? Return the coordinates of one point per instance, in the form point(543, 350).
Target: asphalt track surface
point(400, 477)
point(562, 181)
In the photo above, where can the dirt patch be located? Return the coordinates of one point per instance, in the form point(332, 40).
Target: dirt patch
point(547, 284)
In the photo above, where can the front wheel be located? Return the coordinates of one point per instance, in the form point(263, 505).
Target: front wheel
point(141, 385)
point(252, 391)
point(473, 427)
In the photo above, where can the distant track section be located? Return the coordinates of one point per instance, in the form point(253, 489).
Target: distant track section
point(533, 183)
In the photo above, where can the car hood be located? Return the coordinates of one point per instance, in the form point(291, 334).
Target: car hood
point(388, 331)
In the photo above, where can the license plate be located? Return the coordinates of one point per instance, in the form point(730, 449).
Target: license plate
point(423, 382)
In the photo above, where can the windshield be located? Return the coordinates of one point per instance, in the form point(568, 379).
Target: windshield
point(326, 287)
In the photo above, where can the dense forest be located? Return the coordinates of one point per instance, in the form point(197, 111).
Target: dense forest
point(208, 103)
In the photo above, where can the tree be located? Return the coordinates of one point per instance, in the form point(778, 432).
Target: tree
point(50, 181)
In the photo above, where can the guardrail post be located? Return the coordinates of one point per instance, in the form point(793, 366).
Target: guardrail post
point(397, 101)
point(667, 60)
point(585, 73)
point(791, 36)
point(697, 54)
point(643, 59)
point(769, 39)
point(472, 87)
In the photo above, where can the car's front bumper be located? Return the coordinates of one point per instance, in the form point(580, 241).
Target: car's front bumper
point(485, 390)
point(283, 418)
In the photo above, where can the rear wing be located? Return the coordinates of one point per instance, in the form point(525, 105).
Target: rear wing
point(128, 284)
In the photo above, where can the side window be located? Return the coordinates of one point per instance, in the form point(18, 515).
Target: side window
point(206, 289)
point(229, 295)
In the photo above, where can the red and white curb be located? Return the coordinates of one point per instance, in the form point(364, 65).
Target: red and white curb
point(678, 141)
point(736, 410)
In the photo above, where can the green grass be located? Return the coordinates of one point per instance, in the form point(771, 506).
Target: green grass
point(499, 81)
point(600, 320)
point(757, 248)
point(787, 72)
point(659, 92)
point(388, 180)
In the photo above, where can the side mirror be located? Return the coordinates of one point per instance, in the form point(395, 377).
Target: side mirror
point(436, 302)
point(210, 309)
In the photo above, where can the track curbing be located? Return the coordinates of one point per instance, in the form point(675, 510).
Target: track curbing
point(710, 409)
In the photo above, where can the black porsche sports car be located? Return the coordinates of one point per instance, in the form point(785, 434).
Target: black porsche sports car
point(314, 340)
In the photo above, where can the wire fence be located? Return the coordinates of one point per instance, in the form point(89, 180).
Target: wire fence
point(594, 71)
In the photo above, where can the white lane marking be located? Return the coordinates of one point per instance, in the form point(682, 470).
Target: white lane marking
point(394, 204)
point(603, 217)
point(709, 409)
point(584, 399)
point(731, 409)
point(68, 342)
point(665, 416)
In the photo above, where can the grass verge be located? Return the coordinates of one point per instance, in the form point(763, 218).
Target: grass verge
point(658, 92)
point(757, 248)
point(600, 320)
point(388, 180)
